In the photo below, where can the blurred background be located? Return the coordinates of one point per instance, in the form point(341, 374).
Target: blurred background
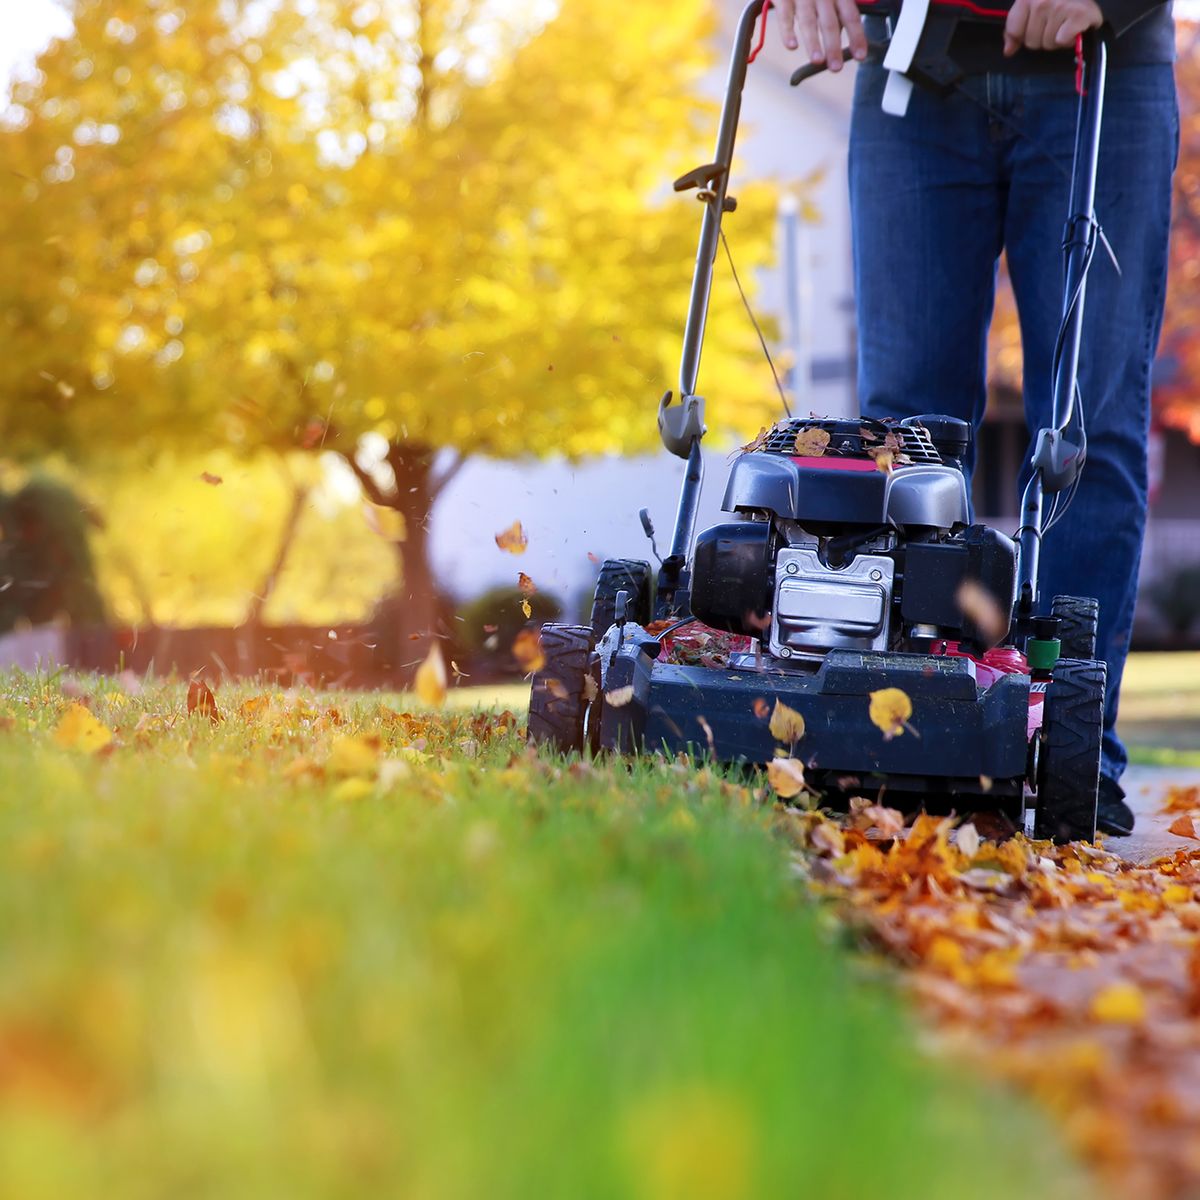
point(303, 302)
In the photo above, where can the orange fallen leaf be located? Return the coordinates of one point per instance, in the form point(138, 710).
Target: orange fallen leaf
point(1182, 799)
point(430, 679)
point(527, 650)
point(513, 540)
point(1183, 827)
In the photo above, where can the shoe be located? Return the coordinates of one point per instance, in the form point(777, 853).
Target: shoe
point(1113, 815)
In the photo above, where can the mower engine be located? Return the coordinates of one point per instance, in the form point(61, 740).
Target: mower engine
point(853, 535)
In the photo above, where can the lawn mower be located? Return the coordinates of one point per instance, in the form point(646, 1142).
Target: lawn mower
point(848, 574)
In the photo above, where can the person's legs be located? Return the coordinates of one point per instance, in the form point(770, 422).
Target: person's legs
point(926, 219)
point(1095, 549)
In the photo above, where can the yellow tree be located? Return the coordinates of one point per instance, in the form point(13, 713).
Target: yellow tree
point(442, 223)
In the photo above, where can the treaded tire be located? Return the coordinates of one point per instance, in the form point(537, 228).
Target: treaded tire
point(558, 694)
point(1078, 617)
point(621, 575)
point(1068, 775)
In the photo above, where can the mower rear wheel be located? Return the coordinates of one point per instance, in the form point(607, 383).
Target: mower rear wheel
point(1068, 773)
point(558, 695)
point(1078, 617)
point(621, 575)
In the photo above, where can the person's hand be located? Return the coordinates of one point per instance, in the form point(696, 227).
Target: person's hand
point(821, 23)
point(1048, 24)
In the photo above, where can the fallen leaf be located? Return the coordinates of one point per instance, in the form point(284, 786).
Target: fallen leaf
point(249, 709)
point(78, 729)
point(1182, 799)
point(430, 679)
point(353, 755)
point(968, 840)
point(526, 585)
point(787, 725)
point(827, 838)
point(1183, 827)
point(1119, 1003)
point(513, 539)
point(201, 700)
point(619, 697)
point(786, 776)
point(888, 821)
point(890, 709)
point(527, 650)
point(812, 442)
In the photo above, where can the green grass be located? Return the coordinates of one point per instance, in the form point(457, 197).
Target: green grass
point(473, 974)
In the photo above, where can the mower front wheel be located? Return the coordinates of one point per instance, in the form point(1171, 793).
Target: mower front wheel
point(558, 697)
point(621, 575)
point(1068, 772)
point(1078, 617)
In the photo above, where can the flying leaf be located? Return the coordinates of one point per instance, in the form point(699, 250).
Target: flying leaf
point(890, 710)
point(527, 650)
point(762, 710)
point(979, 606)
point(968, 840)
point(526, 608)
point(430, 679)
point(526, 585)
point(210, 478)
point(619, 697)
point(812, 442)
point(78, 729)
point(591, 689)
point(513, 540)
point(787, 725)
point(786, 776)
point(201, 700)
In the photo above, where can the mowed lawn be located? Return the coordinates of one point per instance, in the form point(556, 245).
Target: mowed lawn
point(323, 948)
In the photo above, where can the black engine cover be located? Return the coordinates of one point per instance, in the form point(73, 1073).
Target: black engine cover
point(731, 575)
point(934, 572)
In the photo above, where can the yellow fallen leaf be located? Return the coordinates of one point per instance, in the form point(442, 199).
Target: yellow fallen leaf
point(351, 755)
point(355, 788)
point(1177, 893)
point(430, 679)
point(79, 730)
point(786, 776)
point(890, 709)
point(1120, 1004)
point(249, 709)
point(513, 540)
point(826, 838)
point(787, 725)
point(884, 460)
point(812, 442)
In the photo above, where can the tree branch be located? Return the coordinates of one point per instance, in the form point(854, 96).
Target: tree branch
point(437, 485)
point(371, 489)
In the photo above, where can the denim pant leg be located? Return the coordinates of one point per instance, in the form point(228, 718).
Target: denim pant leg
point(1096, 548)
point(926, 224)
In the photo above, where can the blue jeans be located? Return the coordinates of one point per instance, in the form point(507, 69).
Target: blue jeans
point(935, 196)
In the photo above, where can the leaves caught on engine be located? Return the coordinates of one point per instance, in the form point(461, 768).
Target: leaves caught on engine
point(812, 442)
point(513, 540)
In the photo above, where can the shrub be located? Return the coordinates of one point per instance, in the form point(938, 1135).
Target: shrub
point(1176, 598)
point(488, 624)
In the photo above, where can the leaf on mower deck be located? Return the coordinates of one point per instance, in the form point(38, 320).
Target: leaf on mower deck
point(430, 679)
point(526, 609)
point(758, 442)
point(527, 650)
point(201, 700)
point(890, 710)
point(787, 725)
point(786, 776)
point(884, 459)
point(80, 730)
point(979, 606)
point(1183, 827)
point(619, 697)
point(812, 442)
point(526, 585)
point(513, 540)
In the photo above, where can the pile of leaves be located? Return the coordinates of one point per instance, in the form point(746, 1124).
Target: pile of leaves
point(1065, 970)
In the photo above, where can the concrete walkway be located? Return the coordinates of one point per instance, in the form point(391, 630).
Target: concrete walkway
point(1146, 790)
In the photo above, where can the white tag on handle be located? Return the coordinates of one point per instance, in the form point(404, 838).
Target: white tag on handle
point(896, 94)
point(901, 49)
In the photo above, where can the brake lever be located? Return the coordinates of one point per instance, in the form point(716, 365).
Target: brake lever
point(875, 53)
